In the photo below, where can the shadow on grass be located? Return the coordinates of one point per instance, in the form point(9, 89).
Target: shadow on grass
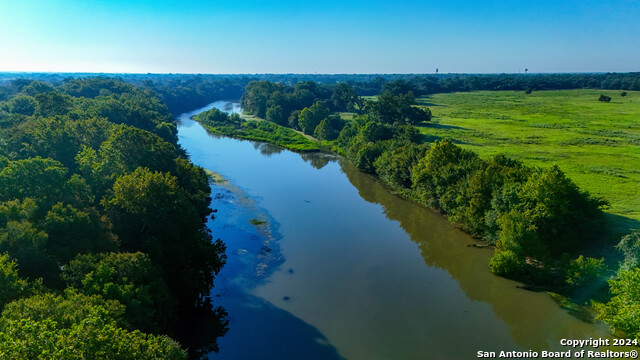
point(433, 138)
point(430, 125)
point(426, 102)
point(620, 226)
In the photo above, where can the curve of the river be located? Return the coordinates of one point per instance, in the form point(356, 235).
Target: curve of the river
point(342, 269)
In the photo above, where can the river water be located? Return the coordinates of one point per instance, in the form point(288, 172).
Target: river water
point(342, 269)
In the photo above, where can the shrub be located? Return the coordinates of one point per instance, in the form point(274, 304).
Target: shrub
point(604, 98)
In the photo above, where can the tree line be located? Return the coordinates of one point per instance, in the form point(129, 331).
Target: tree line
point(104, 252)
point(185, 92)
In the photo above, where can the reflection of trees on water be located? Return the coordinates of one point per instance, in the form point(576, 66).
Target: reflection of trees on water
point(201, 326)
point(534, 320)
point(316, 160)
point(267, 149)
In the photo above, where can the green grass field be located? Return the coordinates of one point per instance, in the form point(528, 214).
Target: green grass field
point(597, 144)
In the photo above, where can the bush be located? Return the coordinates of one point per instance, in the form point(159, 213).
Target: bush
point(604, 98)
point(622, 312)
point(507, 263)
point(583, 271)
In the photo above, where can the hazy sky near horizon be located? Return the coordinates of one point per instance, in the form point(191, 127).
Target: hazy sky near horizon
point(331, 36)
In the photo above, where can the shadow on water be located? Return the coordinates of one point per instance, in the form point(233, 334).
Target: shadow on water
point(269, 333)
point(257, 328)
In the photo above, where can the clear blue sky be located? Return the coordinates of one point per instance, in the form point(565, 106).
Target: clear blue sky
point(287, 36)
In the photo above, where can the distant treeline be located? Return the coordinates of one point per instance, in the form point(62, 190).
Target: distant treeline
point(103, 245)
point(184, 92)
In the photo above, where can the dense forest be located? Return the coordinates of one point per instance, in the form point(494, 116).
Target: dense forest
point(538, 220)
point(104, 252)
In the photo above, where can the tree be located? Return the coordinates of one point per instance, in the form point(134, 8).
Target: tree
point(324, 131)
point(256, 95)
point(52, 103)
point(276, 115)
point(150, 212)
point(585, 271)
point(71, 231)
point(629, 245)
point(24, 105)
point(622, 312)
point(126, 149)
point(309, 118)
point(12, 286)
point(76, 326)
point(392, 109)
point(394, 165)
point(37, 178)
point(129, 278)
point(434, 177)
point(343, 97)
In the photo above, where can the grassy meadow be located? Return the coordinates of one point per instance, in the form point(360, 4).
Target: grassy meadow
point(597, 144)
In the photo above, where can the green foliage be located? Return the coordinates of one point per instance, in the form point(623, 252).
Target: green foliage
point(276, 114)
point(585, 271)
point(76, 326)
point(391, 109)
point(220, 123)
point(33, 88)
point(604, 98)
point(150, 212)
point(168, 132)
point(294, 120)
point(629, 245)
point(12, 286)
point(52, 103)
point(23, 105)
point(129, 278)
point(507, 263)
point(28, 245)
point(623, 93)
point(394, 165)
point(366, 155)
point(215, 117)
point(136, 109)
point(309, 118)
point(343, 97)
point(622, 312)
point(562, 216)
point(324, 131)
point(72, 231)
point(436, 175)
point(126, 149)
point(257, 93)
point(59, 156)
point(37, 178)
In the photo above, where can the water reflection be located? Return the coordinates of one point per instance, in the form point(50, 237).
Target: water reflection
point(316, 160)
point(267, 149)
point(534, 320)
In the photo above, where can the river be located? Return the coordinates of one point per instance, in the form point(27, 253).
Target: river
point(342, 269)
